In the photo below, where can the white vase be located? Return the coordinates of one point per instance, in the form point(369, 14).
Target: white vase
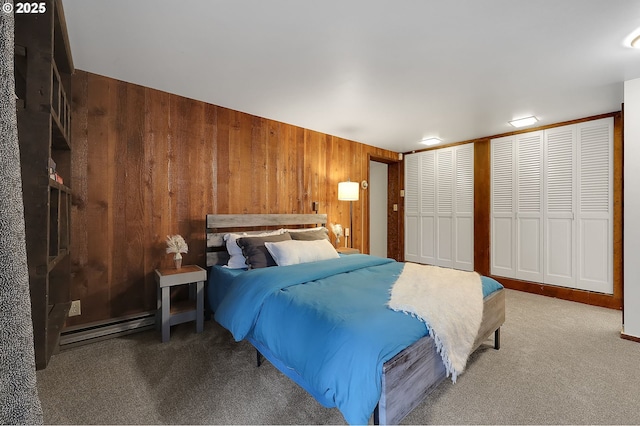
point(177, 260)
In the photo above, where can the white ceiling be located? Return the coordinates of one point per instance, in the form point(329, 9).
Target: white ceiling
point(382, 72)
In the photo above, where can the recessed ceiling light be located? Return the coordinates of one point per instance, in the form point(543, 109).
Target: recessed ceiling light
point(522, 122)
point(633, 39)
point(430, 141)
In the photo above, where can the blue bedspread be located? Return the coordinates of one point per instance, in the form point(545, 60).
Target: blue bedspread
point(326, 324)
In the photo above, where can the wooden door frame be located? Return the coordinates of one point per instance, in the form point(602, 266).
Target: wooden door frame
point(395, 219)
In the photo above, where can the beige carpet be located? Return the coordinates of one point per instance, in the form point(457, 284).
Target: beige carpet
point(560, 363)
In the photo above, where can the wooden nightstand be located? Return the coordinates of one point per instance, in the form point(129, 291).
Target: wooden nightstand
point(168, 315)
point(347, 250)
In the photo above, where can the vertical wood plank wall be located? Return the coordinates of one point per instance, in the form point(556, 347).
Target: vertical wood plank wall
point(147, 164)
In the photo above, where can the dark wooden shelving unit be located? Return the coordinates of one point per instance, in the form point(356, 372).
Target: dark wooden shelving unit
point(43, 68)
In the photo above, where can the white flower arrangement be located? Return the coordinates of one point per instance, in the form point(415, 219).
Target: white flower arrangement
point(337, 230)
point(176, 244)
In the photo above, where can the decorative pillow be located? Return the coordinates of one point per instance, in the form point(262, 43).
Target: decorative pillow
point(309, 234)
point(255, 252)
point(317, 228)
point(236, 258)
point(300, 251)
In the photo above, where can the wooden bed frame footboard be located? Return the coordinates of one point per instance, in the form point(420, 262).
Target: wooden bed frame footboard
point(412, 374)
point(409, 376)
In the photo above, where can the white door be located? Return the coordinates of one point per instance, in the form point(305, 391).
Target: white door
point(463, 208)
point(595, 205)
point(529, 255)
point(439, 207)
point(411, 208)
point(378, 184)
point(444, 207)
point(559, 206)
point(503, 207)
point(427, 195)
point(552, 206)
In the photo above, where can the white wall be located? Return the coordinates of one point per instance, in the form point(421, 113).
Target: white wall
point(631, 233)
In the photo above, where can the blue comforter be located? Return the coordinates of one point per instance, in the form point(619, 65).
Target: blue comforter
point(325, 324)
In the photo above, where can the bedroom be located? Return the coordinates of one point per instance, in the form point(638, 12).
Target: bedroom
point(134, 164)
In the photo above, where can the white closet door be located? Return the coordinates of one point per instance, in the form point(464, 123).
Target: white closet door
point(559, 190)
point(463, 208)
point(427, 216)
point(439, 207)
point(503, 207)
point(444, 207)
point(411, 208)
point(529, 255)
point(595, 205)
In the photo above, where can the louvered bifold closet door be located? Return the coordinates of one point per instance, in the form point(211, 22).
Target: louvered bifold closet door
point(444, 207)
point(560, 204)
point(463, 208)
point(427, 216)
point(529, 235)
point(595, 205)
point(503, 207)
point(411, 207)
point(439, 207)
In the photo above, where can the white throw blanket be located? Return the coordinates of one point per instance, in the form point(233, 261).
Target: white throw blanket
point(449, 302)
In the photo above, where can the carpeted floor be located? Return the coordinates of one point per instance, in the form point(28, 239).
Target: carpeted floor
point(560, 363)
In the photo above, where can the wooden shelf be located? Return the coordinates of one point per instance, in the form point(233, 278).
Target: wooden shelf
point(43, 85)
point(182, 306)
point(59, 186)
point(55, 321)
point(60, 111)
point(54, 260)
point(59, 139)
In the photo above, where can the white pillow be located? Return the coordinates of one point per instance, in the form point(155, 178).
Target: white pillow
point(302, 229)
point(236, 258)
point(293, 252)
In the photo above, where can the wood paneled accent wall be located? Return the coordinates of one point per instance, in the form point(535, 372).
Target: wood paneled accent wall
point(148, 163)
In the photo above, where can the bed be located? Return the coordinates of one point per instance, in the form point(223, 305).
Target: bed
point(270, 308)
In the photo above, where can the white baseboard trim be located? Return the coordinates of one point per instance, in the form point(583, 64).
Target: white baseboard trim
point(101, 330)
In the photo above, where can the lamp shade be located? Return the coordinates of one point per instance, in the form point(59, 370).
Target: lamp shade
point(348, 191)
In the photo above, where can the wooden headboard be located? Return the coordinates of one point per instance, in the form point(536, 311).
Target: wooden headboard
point(216, 250)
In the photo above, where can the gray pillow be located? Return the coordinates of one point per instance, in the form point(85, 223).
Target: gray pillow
point(311, 235)
point(255, 253)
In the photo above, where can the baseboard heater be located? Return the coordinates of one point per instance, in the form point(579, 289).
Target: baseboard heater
point(102, 330)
